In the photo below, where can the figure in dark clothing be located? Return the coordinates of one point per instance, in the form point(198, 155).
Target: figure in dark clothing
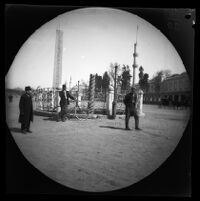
point(64, 102)
point(26, 110)
point(130, 101)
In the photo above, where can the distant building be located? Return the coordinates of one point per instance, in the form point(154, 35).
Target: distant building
point(151, 96)
point(83, 90)
point(175, 88)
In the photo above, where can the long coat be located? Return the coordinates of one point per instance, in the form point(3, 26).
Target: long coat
point(130, 101)
point(26, 109)
point(65, 101)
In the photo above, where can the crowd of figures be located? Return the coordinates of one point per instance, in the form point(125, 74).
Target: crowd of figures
point(174, 104)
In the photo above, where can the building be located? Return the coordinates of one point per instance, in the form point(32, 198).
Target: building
point(151, 96)
point(176, 87)
point(82, 90)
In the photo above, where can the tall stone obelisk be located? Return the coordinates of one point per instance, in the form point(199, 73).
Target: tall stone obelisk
point(57, 73)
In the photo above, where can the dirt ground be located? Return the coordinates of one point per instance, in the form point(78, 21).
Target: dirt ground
point(98, 155)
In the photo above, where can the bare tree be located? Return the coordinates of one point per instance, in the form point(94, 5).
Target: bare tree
point(125, 78)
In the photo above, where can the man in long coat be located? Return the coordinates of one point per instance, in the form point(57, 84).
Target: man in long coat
point(64, 102)
point(130, 101)
point(26, 110)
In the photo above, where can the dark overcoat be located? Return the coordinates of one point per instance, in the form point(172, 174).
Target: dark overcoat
point(65, 101)
point(26, 109)
point(130, 103)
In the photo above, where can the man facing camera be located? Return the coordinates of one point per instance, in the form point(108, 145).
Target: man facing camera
point(26, 110)
point(130, 101)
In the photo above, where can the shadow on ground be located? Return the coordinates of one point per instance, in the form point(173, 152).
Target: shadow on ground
point(50, 119)
point(16, 130)
point(156, 135)
point(112, 127)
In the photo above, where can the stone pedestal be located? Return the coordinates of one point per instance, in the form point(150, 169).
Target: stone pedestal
point(57, 101)
point(140, 103)
point(109, 101)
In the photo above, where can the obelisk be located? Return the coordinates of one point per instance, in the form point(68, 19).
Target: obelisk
point(57, 73)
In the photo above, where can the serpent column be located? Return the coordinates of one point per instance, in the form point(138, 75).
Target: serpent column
point(91, 94)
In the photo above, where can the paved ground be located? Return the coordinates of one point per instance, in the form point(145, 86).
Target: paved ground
point(98, 154)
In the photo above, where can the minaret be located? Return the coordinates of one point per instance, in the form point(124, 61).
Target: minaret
point(57, 74)
point(135, 54)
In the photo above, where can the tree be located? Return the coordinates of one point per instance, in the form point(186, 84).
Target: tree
point(114, 74)
point(105, 81)
point(125, 77)
point(141, 74)
point(144, 82)
point(112, 69)
point(158, 78)
point(143, 79)
point(115, 67)
point(98, 82)
point(157, 81)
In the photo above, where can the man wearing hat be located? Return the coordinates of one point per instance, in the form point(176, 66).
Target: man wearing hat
point(64, 101)
point(26, 110)
point(130, 101)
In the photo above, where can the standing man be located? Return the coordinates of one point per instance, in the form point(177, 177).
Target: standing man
point(64, 101)
point(26, 110)
point(130, 101)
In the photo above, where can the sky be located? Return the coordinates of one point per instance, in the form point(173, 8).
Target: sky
point(92, 39)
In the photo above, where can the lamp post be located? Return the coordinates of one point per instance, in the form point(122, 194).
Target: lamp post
point(77, 101)
point(115, 93)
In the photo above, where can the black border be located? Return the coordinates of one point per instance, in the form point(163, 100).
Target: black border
point(172, 179)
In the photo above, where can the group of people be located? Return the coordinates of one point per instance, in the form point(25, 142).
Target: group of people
point(175, 104)
point(26, 108)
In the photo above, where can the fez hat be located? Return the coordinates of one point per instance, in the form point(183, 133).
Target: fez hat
point(27, 88)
